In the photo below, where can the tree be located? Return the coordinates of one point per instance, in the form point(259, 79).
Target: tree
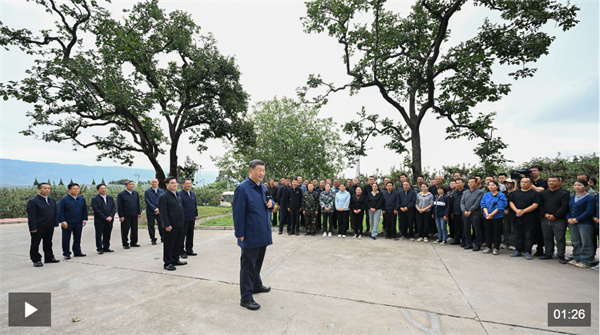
point(103, 182)
point(188, 170)
point(60, 182)
point(404, 59)
point(290, 138)
point(93, 181)
point(116, 91)
point(35, 182)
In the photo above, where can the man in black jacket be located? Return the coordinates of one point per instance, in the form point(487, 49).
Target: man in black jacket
point(408, 199)
point(295, 207)
point(42, 218)
point(170, 209)
point(457, 214)
point(555, 205)
point(104, 213)
point(282, 200)
point(128, 202)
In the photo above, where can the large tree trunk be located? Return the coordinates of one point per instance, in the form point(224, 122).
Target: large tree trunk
point(159, 173)
point(415, 140)
point(173, 155)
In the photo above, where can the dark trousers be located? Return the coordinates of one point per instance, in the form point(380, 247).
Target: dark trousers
point(458, 229)
point(76, 229)
point(318, 220)
point(554, 229)
point(274, 219)
point(474, 222)
point(538, 234)
point(188, 237)
point(451, 226)
point(251, 262)
point(407, 223)
point(368, 221)
point(327, 218)
point(43, 234)
point(343, 218)
point(357, 222)
point(294, 216)
point(524, 231)
point(423, 223)
point(389, 224)
point(334, 219)
point(151, 231)
point(172, 240)
point(129, 223)
point(284, 219)
point(302, 219)
point(103, 230)
point(493, 228)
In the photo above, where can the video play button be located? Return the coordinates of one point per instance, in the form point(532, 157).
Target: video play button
point(29, 309)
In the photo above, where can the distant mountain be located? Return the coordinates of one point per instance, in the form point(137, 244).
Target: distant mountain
point(22, 173)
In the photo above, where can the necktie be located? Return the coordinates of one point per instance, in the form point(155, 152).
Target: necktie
point(104, 200)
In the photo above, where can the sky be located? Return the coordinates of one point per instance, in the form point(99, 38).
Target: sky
point(555, 111)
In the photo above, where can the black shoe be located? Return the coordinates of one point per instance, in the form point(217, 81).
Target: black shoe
point(67, 257)
point(153, 242)
point(539, 254)
point(307, 233)
point(297, 233)
point(170, 267)
point(262, 289)
point(192, 254)
point(100, 252)
point(79, 255)
point(454, 243)
point(562, 260)
point(280, 232)
point(108, 250)
point(476, 248)
point(126, 247)
point(374, 238)
point(53, 260)
point(545, 257)
point(184, 256)
point(135, 245)
point(38, 264)
point(180, 263)
point(468, 247)
point(251, 305)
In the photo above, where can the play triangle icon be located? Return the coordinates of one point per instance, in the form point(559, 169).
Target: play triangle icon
point(29, 309)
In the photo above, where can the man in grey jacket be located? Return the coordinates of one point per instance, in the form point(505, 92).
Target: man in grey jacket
point(470, 205)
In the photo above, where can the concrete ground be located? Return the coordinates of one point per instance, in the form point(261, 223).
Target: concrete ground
point(320, 285)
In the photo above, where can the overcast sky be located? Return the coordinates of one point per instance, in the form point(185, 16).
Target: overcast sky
point(556, 111)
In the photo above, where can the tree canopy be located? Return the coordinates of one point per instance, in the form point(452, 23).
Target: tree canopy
point(290, 138)
point(135, 85)
point(409, 61)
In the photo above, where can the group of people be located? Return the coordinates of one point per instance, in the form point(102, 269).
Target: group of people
point(488, 214)
point(170, 212)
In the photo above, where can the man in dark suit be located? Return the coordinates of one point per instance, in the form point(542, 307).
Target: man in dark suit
point(171, 214)
point(282, 199)
point(42, 218)
point(72, 215)
point(151, 198)
point(190, 213)
point(252, 223)
point(104, 213)
point(128, 205)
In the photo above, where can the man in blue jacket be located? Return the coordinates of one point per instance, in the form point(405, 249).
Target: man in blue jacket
point(152, 213)
point(42, 218)
point(251, 220)
point(128, 206)
point(104, 213)
point(190, 212)
point(72, 215)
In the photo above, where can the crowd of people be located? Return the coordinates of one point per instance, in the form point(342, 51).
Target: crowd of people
point(487, 214)
point(173, 213)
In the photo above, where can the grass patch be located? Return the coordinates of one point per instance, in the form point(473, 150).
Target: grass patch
point(226, 221)
point(206, 211)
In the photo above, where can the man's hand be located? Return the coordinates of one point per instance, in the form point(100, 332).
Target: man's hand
point(551, 217)
point(195, 218)
point(288, 209)
point(269, 204)
point(121, 219)
point(241, 238)
point(467, 213)
point(489, 217)
point(316, 212)
point(156, 211)
point(373, 210)
point(304, 212)
point(33, 231)
point(520, 213)
point(169, 228)
point(395, 211)
point(83, 223)
point(326, 209)
point(109, 219)
point(383, 212)
point(139, 216)
point(445, 218)
point(596, 220)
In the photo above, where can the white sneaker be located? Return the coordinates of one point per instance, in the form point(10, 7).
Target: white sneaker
point(412, 239)
point(425, 240)
point(355, 236)
point(344, 236)
point(512, 248)
point(435, 242)
point(324, 234)
point(359, 236)
point(329, 234)
point(420, 239)
point(339, 235)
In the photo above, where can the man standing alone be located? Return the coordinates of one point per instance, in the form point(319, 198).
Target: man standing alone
point(152, 214)
point(42, 218)
point(128, 205)
point(251, 220)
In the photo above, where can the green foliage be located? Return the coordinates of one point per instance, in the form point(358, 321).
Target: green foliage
point(406, 58)
point(60, 183)
point(290, 138)
point(188, 170)
point(93, 181)
point(105, 95)
point(35, 182)
point(566, 167)
point(208, 196)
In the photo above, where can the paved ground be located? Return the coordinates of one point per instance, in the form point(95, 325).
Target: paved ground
point(320, 285)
